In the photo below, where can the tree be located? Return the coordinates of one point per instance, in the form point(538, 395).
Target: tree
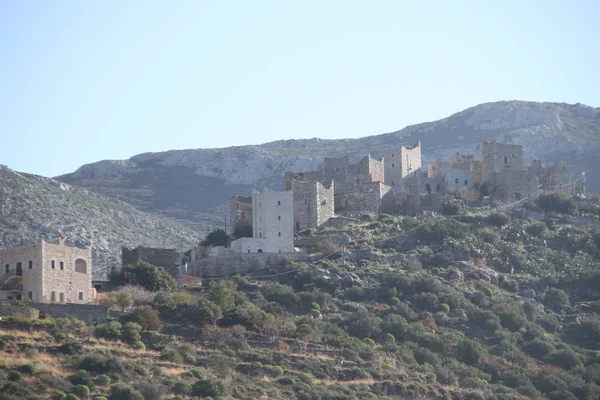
point(220, 293)
point(557, 202)
point(217, 237)
point(146, 275)
point(146, 316)
point(210, 311)
point(124, 392)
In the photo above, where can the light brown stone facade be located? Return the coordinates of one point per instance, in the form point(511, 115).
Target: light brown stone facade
point(46, 273)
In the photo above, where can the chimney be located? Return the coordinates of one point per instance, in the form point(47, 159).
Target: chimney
point(61, 239)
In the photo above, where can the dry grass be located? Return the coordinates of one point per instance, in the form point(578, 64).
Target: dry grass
point(22, 336)
point(43, 362)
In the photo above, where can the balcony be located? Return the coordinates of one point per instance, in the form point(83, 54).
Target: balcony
point(12, 287)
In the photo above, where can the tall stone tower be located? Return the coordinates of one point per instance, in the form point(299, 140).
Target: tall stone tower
point(401, 162)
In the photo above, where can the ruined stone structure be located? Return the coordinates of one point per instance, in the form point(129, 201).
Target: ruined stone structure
point(311, 176)
point(400, 163)
point(313, 204)
point(556, 177)
point(240, 212)
point(497, 157)
point(348, 177)
point(273, 224)
point(46, 272)
point(467, 162)
point(168, 259)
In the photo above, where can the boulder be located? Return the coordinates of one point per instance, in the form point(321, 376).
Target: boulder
point(528, 293)
point(489, 275)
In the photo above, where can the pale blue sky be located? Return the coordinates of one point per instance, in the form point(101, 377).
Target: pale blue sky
point(82, 81)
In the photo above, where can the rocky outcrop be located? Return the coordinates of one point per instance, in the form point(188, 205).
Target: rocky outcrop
point(546, 130)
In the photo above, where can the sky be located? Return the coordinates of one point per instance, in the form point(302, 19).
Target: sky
point(83, 81)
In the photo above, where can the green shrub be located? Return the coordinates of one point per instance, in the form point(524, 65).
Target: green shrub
point(369, 342)
point(147, 318)
point(198, 374)
point(27, 369)
point(81, 377)
point(498, 219)
point(182, 388)
point(103, 380)
point(71, 396)
point(557, 202)
point(100, 398)
point(81, 390)
point(210, 387)
point(59, 396)
point(156, 371)
point(389, 338)
point(445, 308)
point(487, 291)
point(286, 381)
point(14, 376)
point(170, 354)
point(306, 378)
point(555, 298)
point(71, 348)
point(124, 392)
point(146, 275)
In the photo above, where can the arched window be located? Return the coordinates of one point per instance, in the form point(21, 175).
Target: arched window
point(259, 251)
point(81, 266)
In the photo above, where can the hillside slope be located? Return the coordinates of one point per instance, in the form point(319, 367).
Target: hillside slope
point(34, 208)
point(189, 184)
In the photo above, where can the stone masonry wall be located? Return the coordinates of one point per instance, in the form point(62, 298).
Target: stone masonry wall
point(169, 259)
point(399, 162)
point(240, 212)
point(497, 157)
point(71, 275)
point(336, 170)
point(8, 310)
point(311, 176)
point(240, 264)
point(89, 313)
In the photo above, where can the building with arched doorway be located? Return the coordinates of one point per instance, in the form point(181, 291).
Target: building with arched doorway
point(46, 273)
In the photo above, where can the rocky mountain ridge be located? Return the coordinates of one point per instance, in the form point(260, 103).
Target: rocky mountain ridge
point(206, 177)
point(33, 208)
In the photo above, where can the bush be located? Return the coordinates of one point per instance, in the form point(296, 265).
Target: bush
point(156, 371)
point(139, 346)
point(182, 388)
point(59, 396)
point(498, 219)
point(555, 298)
point(389, 338)
point(14, 376)
point(102, 365)
point(210, 387)
point(286, 381)
point(145, 316)
point(170, 354)
point(71, 348)
point(27, 369)
point(470, 352)
point(306, 378)
point(369, 342)
point(71, 396)
point(557, 202)
point(111, 331)
point(81, 377)
point(81, 390)
point(146, 275)
point(131, 333)
point(124, 392)
point(103, 380)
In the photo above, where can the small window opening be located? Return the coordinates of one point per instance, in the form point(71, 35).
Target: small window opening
point(30, 264)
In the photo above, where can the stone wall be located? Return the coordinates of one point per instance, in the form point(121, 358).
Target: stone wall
point(169, 259)
point(8, 310)
point(514, 184)
point(311, 176)
point(241, 264)
point(469, 163)
point(336, 170)
point(17, 286)
point(86, 312)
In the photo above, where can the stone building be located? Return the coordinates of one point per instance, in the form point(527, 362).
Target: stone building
point(240, 212)
point(469, 163)
point(497, 157)
point(168, 259)
point(46, 273)
point(311, 176)
point(313, 204)
point(400, 163)
point(557, 177)
point(504, 171)
point(273, 224)
point(348, 177)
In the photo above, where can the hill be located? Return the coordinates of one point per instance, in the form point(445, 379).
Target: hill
point(482, 304)
point(192, 184)
point(34, 208)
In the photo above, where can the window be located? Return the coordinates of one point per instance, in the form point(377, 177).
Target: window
point(279, 217)
point(30, 295)
point(505, 160)
point(53, 296)
point(260, 235)
point(297, 226)
point(62, 265)
point(466, 182)
point(279, 234)
point(305, 200)
point(53, 264)
point(62, 297)
point(456, 181)
point(393, 165)
point(243, 214)
point(7, 268)
point(392, 154)
point(337, 169)
point(30, 264)
point(80, 266)
point(19, 269)
point(278, 202)
point(80, 295)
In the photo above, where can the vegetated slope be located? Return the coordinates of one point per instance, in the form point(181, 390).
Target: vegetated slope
point(34, 208)
point(481, 306)
point(191, 184)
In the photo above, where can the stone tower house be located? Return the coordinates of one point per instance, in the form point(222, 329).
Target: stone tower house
point(46, 273)
point(497, 157)
point(399, 163)
point(273, 224)
point(313, 204)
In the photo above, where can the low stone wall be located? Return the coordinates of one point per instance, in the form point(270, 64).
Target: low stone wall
point(92, 314)
point(241, 264)
point(8, 310)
